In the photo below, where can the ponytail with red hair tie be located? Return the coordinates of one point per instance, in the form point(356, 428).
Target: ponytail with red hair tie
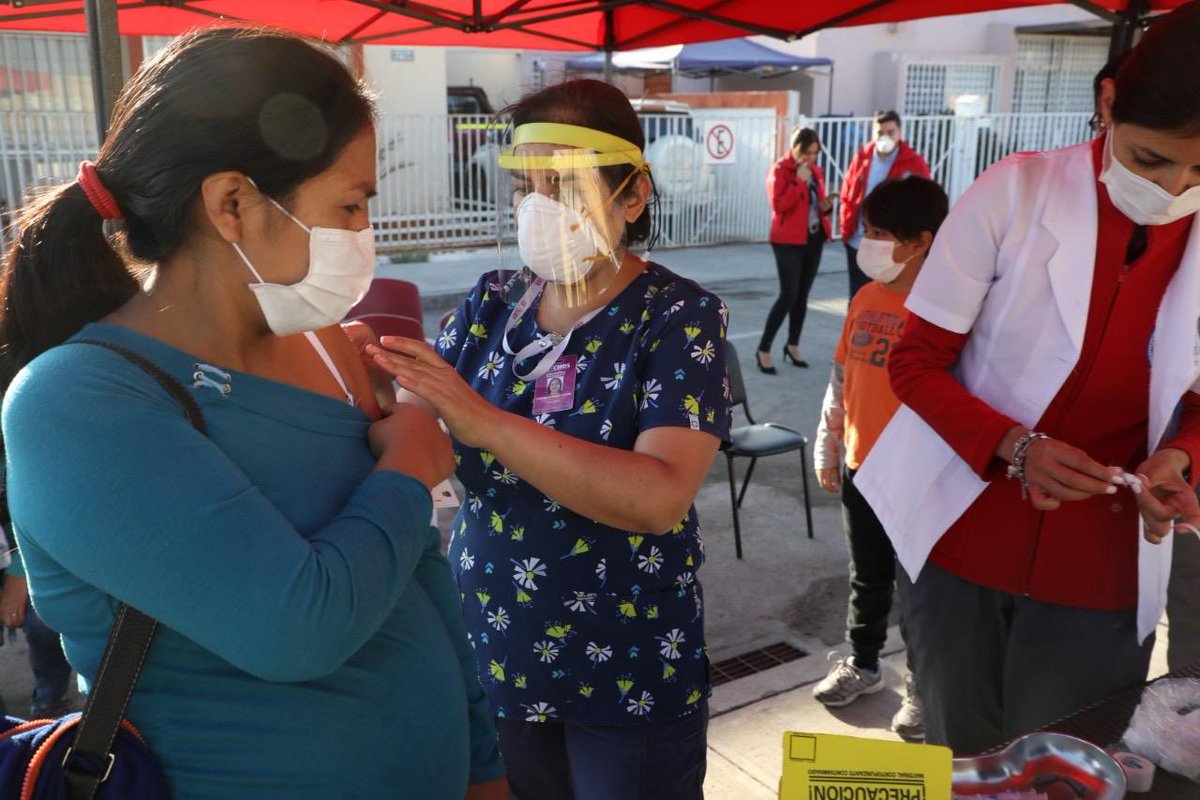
point(101, 199)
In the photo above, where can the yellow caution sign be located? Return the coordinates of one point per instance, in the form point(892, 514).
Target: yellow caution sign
point(820, 766)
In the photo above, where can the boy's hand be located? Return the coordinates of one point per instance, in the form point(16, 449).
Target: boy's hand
point(830, 479)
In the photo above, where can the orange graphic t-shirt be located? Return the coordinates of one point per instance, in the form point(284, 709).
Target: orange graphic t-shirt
point(874, 323)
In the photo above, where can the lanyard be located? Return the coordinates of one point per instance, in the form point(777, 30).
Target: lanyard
point(551, 342)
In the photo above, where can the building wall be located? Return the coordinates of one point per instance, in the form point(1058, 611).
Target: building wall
point(413, 144)
point(780, 103)
point(409, 80)
point(800, 84)
point(861, 85)
point(497, 72)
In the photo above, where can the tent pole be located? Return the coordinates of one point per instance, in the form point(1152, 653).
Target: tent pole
point(610, 44)
point(104, 51)
point(829, 101)
point(1125, 30)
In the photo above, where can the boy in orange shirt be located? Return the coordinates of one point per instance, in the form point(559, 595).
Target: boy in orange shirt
point(901, 218)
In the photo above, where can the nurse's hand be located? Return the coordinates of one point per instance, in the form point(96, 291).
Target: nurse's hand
point(1170, 500)
point(418, 368)
point(1056, 471)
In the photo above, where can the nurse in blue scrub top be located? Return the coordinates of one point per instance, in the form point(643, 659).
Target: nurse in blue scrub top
point(587, 397)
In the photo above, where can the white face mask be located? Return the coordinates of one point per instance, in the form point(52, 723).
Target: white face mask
point(1141, 199)
point(884, 145)
point(341, 265)
point(875, 259)
point(557, 242)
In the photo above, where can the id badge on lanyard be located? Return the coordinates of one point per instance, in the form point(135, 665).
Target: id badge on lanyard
point(549, 346)
point(555, 391)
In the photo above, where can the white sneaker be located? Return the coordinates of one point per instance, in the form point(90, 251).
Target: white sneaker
point(846, 682)
point(909, 721)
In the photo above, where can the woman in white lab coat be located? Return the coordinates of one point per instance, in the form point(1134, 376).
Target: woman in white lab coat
point(1030, 476)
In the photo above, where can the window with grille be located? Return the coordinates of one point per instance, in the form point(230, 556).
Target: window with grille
point(930, 87)
point(44, 72)
point(1054, 73)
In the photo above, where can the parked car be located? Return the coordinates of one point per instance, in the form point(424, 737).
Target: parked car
point(673, 148)
point(473, 144)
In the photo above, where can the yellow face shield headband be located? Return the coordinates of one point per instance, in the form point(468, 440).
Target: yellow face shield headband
point(607, 149)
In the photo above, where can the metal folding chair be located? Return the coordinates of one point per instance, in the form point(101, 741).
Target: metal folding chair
point(758, 440)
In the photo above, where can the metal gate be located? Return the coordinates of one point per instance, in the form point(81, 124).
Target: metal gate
point(436, 173)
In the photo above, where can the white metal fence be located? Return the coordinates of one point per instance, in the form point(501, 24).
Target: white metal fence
point(436, 173)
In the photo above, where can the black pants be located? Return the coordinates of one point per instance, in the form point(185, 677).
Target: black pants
point(797, 265)
point(872, 575)
point(991, 665)
point(1183, 603)
point(858, 278)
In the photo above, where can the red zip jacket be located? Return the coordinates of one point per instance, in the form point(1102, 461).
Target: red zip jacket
point(789, 198)
point(854, 187)
point(1083, 554)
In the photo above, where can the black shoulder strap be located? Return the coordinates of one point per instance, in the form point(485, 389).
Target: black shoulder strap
point(88, 762)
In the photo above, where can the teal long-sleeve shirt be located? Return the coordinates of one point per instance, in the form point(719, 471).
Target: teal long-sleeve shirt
point(311, 642)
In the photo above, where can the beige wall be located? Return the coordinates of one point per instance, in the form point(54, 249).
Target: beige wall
point(407, 87)
point(413, 142)
point(497, 72)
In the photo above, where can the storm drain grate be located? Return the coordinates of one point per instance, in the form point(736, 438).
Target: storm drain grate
point(749, 663)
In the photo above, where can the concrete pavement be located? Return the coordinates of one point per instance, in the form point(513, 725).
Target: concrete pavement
point(788, 588)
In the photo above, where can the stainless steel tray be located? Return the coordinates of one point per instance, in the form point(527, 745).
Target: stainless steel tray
point(1060, 766)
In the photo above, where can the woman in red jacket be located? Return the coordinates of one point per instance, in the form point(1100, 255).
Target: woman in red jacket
point(799, 228)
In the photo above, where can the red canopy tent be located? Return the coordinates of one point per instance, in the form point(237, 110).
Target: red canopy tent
point(541, 24)
point(606, 25)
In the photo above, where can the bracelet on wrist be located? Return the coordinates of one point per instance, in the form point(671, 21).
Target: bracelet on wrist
point(1016, 469)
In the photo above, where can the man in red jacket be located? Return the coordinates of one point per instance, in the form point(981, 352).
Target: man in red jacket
point(886, 156)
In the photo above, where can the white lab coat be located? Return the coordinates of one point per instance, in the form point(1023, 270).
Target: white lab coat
point(1013, 266)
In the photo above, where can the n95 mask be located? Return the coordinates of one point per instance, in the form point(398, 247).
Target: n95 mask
point(556, 242)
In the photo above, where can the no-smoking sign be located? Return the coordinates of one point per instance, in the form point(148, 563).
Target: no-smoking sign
point(719, 143)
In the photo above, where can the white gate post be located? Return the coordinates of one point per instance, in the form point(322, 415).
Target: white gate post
point(964, 151)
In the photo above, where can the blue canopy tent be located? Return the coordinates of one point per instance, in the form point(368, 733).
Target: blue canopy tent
point(704, 59)
point(724, 57)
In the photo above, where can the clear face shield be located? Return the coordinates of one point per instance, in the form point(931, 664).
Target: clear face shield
point(562, 186)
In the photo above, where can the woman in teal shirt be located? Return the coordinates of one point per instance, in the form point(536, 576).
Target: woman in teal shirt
point(310, 642)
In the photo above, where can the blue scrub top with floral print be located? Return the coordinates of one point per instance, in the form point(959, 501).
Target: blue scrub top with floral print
point(571, 619)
